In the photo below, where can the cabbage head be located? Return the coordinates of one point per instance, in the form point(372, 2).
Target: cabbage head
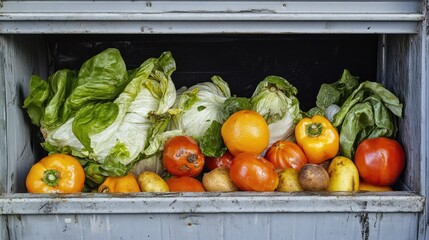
point(201, 114)
point(105, 115)
point(275, 99)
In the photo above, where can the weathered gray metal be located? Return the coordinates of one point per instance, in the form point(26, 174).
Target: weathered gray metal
point(223, 16)
point(402, 67)
point(237, 202)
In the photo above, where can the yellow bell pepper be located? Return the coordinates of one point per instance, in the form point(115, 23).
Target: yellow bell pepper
point(318, 138)
point(124, 184)
point(56, 173)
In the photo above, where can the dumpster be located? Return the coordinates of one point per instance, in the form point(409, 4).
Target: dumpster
point(306, 42)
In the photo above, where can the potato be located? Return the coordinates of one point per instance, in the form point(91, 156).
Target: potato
point(288, 181)
point(218, 180)
point(313, 177)
point(152, 182)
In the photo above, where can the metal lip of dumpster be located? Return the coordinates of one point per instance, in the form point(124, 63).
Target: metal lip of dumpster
point(223, 17)
point(237, 202)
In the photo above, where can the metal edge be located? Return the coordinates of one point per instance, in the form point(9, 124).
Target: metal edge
point(423, 233)
point(172, 7)
point(210, 203)
point(201, 27)
point(221, 16)
point(3, 135)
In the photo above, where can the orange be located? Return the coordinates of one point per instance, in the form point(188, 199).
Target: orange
point(245, 131)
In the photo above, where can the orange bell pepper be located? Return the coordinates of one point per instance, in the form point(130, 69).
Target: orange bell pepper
point(318, 138)
point(56, 173)
point(124, 184)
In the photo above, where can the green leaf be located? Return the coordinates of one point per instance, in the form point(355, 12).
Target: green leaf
point(337, 92)
point(200, 108)
point(368, 119)
point(222, 85)
point(102, 77)
point(356, 97)
point(157, 142)
point(357, 119)
point(92, 119)
point(36, 100)
point(235, 104)
point(388, 98)
point(314, 111)
point(95, 173)
point(211, 143)
point(62, 84)
point(115, 168)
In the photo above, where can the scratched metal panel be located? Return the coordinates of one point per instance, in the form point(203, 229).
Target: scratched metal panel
point(3, 139)
point(339, 226)
point(20, 56)
point(237, 202)
point(222, 17)
point(23, 56)
point(347, 7)
point(404, 78)
point(424, 171)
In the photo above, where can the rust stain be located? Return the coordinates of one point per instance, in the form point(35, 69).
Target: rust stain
point(363, 219)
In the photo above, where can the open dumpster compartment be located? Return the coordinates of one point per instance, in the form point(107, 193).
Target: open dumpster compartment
point(306, 42)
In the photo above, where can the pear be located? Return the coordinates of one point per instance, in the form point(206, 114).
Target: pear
point(343, 175)
point(289, 181)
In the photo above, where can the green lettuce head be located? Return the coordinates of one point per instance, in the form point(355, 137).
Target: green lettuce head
point(275, 99)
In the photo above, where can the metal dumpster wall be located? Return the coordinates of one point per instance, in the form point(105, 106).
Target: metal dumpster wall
point(276, 226)
point(17, 142)
point(23, 56)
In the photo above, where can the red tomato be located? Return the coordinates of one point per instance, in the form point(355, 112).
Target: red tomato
point(184, 184)
point(380, 161)
point(223, 161)
point(285, 154)
point(251, 172)
point(182, 156)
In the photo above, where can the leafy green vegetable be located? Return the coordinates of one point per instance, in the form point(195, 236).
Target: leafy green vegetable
point(334, 93)
point(367, 113)
point(367, 110)
point(201, 105)
point(235, 104)
point(211, 143)
point(35, 102)
point(62, 84)
point(105, 115)
point(337, 92)
point(50, 104)
point(102, 77)
point(275, 99)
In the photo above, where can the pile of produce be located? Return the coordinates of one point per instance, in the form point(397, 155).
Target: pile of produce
point(111, 129)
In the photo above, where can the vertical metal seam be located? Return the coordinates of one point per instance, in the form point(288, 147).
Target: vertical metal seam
point(3, 115)
point(4, 229)
point(424, 145)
